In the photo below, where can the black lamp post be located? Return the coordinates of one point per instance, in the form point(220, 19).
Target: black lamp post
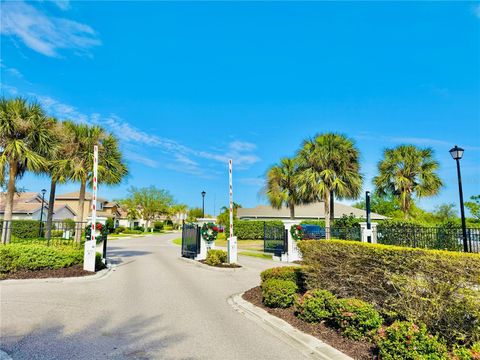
point(457, 153)
point(369, 216)
point(41, 213)
point(203, 203)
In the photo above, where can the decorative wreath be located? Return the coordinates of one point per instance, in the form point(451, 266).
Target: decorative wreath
point(297, 232)
point(98, 226)
point(209, 231)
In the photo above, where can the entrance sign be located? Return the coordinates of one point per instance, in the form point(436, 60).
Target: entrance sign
point(91, 244)
point(232, 240)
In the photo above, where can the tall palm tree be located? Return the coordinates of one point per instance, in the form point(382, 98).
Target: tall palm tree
point(282, 187)
point(57, 170)
point(25, 135)
point(407, 171)
point(330, 168)
point(79, 165)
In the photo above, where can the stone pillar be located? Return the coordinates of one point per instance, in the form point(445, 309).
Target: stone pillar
point(293, 254)
point(366, 233)
point(204, 245)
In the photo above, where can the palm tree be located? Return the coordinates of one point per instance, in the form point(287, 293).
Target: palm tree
point(79, 165)
point(329, 168)
point(57, 169)
point(407, 171)
point(282, 186)
point(25, 135)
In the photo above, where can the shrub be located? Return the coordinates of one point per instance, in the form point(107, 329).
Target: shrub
point(216, 257)
point(439, 288)
point(24, 229)
point(139, 228)
point(292, 273)
point(407, 341)
point(253, 229)
point(57, 233)
point(465, 353)
point(119, 229)
point(315, 306)
point(15, 257)
point(158, 225)
point(355, 318)
point(278, 293)
point(110, 224)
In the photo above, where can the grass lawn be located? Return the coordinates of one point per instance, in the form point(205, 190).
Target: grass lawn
point(177, 241)
point(256, 245)
point(257, 255)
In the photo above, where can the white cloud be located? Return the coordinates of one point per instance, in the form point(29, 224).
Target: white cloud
point(58, 109)
point(44, 33)
point(62, 4)
point(140, 159)
point(11, 90)
point(257, 182)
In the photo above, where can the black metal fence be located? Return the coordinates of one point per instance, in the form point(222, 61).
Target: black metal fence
point(190, 240)
point(274, 239)
point(343, 233)
point(33, 231)
point(429, 238)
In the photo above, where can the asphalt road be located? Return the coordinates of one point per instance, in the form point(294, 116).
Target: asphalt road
point(152, 306)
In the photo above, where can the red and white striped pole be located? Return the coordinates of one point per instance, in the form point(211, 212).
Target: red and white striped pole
point(91, 245)
point(232, 240)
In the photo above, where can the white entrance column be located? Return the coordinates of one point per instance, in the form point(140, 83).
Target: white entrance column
point(204, 245)
point(292, 251)
point(369, 232)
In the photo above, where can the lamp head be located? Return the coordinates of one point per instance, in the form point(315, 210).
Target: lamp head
point(456, 152)
point(204, 193)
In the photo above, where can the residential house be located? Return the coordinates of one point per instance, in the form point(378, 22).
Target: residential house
point(28, 206)
point(314, 211)
point(105, 208)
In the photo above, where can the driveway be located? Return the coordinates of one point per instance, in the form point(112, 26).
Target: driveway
point(152, 306)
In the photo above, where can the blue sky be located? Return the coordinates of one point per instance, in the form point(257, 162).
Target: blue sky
point(185, 86)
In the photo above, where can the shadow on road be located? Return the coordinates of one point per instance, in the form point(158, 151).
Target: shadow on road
point(134, 338)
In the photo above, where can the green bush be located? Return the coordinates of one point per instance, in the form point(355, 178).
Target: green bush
point(253, 229)
point(407, 341)
point(292, 273)
point(110, 224)
point(158, 225)
point(119, 229)
point(278, 293)
point(315, 306)
point(355, 318)
point(57, 233)
point(465, 353)
point(216, 257)
point(139, 228)
point(15, 257)
point(438, 288)
point(24, 229)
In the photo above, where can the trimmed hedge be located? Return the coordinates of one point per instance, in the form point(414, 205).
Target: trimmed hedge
point(315, 306)
point(15, 257)
point(438, 288)
point(24, 229)
point(252, 229)
point(278, 293)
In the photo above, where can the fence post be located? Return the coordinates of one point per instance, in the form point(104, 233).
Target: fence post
point(292, 250)
point(368, 233)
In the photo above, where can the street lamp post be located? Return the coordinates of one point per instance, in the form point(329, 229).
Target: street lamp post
point(457, 154)
point(203, 203)
point(41, 213)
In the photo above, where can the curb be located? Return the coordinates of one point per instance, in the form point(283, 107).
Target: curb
point(309, 345)
point(213, 268)
point(98, 276)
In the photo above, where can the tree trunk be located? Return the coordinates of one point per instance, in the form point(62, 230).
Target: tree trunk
point(292, 211)
point(332, 206)
point(7, 215)
point(326, 203)
point(51, 204)
point(81, 207)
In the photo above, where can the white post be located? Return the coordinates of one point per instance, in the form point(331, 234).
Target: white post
point(369, 232)
point(292, 251)
point(91, 245)
point(232, 240)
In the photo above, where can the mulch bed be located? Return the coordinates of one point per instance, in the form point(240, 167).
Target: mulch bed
point(360, 350)
point(72, 271)
point(224, 265)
